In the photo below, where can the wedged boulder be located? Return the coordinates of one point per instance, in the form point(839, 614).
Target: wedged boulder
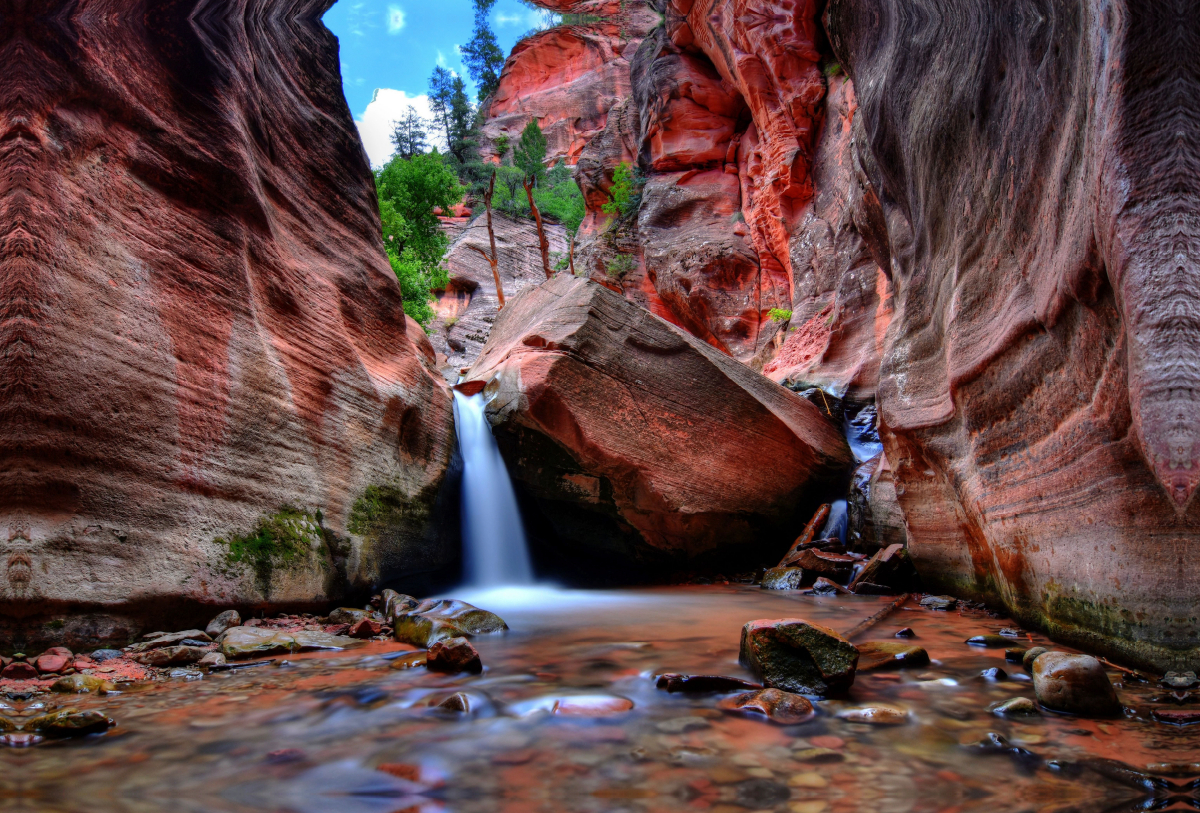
point(633, 443)
point(890, 567)
point(436, 620)
point(207, 385)
point(797, 656)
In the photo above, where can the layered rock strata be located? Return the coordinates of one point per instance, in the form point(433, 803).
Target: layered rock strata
point(638, 449)
point(1036, 171)
point(207, 391)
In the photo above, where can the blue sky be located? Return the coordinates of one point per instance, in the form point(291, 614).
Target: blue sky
point(390, 47)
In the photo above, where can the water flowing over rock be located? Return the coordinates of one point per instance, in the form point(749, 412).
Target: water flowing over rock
point(1040, 381)
point(200, 336)
point(637, 448)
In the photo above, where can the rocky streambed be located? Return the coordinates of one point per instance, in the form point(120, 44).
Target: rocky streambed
point(597, 701)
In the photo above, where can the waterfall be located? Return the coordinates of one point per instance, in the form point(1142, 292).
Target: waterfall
point(495, 551)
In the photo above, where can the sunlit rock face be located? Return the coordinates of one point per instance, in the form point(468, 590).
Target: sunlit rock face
point(639, 450)
point(1038, 169)
point(198, 328)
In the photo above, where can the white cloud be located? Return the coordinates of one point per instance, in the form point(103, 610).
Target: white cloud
point(386, 107)
point(395, 19)
point(508, 19)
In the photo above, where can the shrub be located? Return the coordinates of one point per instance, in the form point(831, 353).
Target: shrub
point(779, 314)
point(626, 191)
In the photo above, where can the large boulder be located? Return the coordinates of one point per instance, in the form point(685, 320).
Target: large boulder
point(1076, 684)
point(1034, 164)
point(207, 390)
point(797, 656)
point(634, 444)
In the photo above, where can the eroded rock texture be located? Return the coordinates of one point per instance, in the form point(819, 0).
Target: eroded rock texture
point(1037, 167)
point(638, 449)
point(199, 334)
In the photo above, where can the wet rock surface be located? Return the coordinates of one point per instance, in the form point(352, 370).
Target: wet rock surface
point(797, 656)
point(1076, 684)
point(453, 655)
point(441, 619)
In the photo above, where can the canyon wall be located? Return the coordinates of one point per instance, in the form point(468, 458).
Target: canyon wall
point(208, 391)
point(986, 220)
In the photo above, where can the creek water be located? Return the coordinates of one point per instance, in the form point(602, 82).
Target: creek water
point(495, 550)
point(566, 717)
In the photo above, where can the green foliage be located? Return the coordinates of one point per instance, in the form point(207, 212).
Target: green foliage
point(626, 191)
point(559, 198)
point(482, 54)
point(376, 508)
point(779, 314)
point(441, 93)
point(277, 540)
point(510, 195)
point(559, 261)
point(502, 144)
point(409, 190)
point(833, 69)
point(530, 153)
point(620, 265)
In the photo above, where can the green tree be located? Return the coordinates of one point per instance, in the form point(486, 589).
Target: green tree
point(560, 198)
point(408, 134)
point(441, 93)
point(461, 136)
point(482, 54)
point(530, 153)
point(626, 191)
point(409, 190)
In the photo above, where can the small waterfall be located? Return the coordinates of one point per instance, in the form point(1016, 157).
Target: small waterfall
point(495, 550)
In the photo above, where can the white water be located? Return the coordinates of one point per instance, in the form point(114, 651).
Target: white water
point(495, 550)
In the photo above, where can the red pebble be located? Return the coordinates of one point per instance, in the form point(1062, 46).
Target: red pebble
point(51, 663)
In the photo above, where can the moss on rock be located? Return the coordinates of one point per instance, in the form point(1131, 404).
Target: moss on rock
point(280, 540)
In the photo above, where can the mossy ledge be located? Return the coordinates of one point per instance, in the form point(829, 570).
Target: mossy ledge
point(287, 538)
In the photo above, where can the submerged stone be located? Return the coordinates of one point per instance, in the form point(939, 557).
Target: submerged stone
point(879, 655)
point(69, 723)
point(1017, 706)
point(990, 641)
point(875, 715)
point(797, 656)
point(453, 655)
point(785, 708)
point(699, 684)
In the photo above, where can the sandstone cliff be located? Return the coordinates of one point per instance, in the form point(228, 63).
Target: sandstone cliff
point(200, 338)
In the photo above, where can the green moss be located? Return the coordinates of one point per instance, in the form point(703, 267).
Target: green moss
point(833, 69)
point(379, 506)
point(779, 314)
point(281, 539)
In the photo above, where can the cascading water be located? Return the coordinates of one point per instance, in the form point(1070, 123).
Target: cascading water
point(495, 550)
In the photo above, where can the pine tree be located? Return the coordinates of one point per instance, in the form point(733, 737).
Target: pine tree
point(408, 134)
point(460, 118)
point(530, 154)
point(441, 98)
point(482, 54)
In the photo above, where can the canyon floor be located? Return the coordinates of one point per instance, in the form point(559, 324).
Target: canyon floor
point(566, 716)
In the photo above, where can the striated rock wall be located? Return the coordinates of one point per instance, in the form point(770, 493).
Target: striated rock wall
point(200, 337)
point(1036, 170)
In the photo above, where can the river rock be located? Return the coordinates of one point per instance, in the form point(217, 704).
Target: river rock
point(438, 619)
point(697, 684)
point(364, 628)
point(824, 587)
point(78, 684)
point(782, 578)
point(50, 664)
point(622, 430)
point(874, 656)
point(939, 602)
point(19, 670)
point(347, 615)
point(1031, 655)
point(223, 621)
point(212, 659)
point(242, 642)
point(785, 708)
point(170, 656)
point(875, 715)
point(1016, 707)
point(70, 723)
point(989, 641)
point(797, 656)
point(891, 568)
point(393, 602)
point(453, 655)
point(834, 566)
point(1074, 683)
point(162, 639)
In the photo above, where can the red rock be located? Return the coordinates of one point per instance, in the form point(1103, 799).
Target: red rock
point(1177, 716)
point(777, 706)
point(364, 628)
point(51, 663)
point(19, 670)
point(622, 427)
point(453, 655)
point(184, 350)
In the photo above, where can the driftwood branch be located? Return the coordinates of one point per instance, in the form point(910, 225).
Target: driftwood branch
point(543, 243)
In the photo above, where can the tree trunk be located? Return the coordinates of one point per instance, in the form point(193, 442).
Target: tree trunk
point(543, 243)
point(492, 258)
point(571, 253)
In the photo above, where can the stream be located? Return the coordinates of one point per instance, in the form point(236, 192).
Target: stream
point(566, 717)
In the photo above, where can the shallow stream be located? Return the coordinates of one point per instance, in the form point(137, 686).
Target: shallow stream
point(549, 728)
